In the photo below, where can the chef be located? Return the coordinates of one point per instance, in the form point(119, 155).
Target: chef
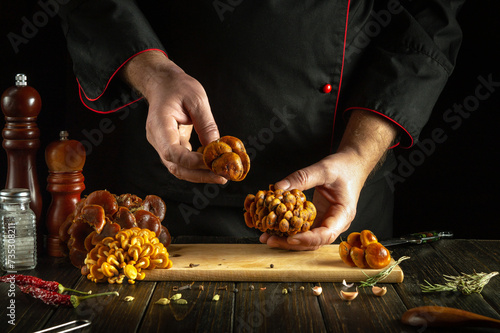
point(320, 92)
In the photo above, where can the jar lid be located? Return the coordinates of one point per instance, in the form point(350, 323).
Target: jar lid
point(15, 195)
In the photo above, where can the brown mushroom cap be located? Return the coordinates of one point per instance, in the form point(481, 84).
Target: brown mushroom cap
point(227, 157)
point(147, 220)
point(124, 218)
point(155, 205)
point(94, 216)
point(104, 199)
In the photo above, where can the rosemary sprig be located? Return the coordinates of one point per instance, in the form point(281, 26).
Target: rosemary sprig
point(465, 283)
point(371, 281)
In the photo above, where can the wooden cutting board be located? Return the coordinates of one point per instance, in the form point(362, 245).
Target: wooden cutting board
point(252, 262)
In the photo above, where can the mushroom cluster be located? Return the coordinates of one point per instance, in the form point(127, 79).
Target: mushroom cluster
point(102, 214)
point(126, 255)
point(363, 250)
point(279, 212)
point(227, 157)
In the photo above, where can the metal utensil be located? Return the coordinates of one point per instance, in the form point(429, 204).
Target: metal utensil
point(418, 238)
point(78, 324)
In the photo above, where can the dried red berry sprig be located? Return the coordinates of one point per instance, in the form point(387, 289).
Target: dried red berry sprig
point(25, 280)
point(54, 298)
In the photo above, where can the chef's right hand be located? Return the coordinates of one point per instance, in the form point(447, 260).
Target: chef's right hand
point(177, 102)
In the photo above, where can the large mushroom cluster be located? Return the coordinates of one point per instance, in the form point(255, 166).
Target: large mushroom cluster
point(102, 214)
point(279, 212)
point(127, 255)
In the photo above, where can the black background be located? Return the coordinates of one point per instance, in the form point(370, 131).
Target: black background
point(450, 185)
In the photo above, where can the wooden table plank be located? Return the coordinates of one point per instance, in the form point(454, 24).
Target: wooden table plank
point(428, 264)
point(482, 256)
point(267, 309)
point(366, 313)
point(111, 313)
point(200, 314)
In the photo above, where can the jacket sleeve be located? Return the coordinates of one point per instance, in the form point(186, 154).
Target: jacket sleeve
point(102, 35)
point(406, 51)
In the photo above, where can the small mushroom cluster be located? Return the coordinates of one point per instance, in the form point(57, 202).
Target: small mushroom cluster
point(279, 212)
point(126, 255)
point(363, 250)
point(227, 157)
point(102, 214)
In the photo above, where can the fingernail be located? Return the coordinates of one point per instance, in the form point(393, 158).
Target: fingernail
point(283, 184)
point(293, 241)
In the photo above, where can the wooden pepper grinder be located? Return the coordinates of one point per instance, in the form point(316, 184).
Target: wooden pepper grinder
point(21, 105)
point(65, 159)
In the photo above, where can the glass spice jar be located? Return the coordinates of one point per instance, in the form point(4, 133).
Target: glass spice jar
point(18, 231)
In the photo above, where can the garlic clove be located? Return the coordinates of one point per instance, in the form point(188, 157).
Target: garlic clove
point(348, 295)
point(317, 290)
point(347, 285)
point(379, 291)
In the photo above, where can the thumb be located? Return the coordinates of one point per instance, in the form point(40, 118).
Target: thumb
point(303, 179)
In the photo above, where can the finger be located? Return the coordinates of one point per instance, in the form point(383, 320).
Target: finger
point(203, 120)
point(264, 237)
point(194, 176)
point(185, 135)
point(312, 239)
point(181, 156)
point(335, 222)
point(283, 243)
point(304, 179)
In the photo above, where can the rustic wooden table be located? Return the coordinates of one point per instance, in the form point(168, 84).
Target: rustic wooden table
point(265, 308)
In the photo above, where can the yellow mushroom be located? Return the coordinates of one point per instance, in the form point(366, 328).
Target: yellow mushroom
point(113, 261)
point(147, 250)
point(130, 272)
point(143, 263)
point(108, 270)
point(134, 251)
point(128, 254)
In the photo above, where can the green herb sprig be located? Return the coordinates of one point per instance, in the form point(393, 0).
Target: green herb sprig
point(373, 280)
point(465, 283)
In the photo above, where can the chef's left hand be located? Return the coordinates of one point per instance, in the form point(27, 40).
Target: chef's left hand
point(338, 180)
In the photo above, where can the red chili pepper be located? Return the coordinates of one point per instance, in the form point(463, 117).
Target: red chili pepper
point(24, 280)
point(55, 298)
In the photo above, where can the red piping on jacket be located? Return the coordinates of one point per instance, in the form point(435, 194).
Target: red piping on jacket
point(359, 108)
point(341, 72)
point(388, 118)
point(82, 92)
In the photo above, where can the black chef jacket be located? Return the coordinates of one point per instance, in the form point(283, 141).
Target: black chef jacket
point(267, 68)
